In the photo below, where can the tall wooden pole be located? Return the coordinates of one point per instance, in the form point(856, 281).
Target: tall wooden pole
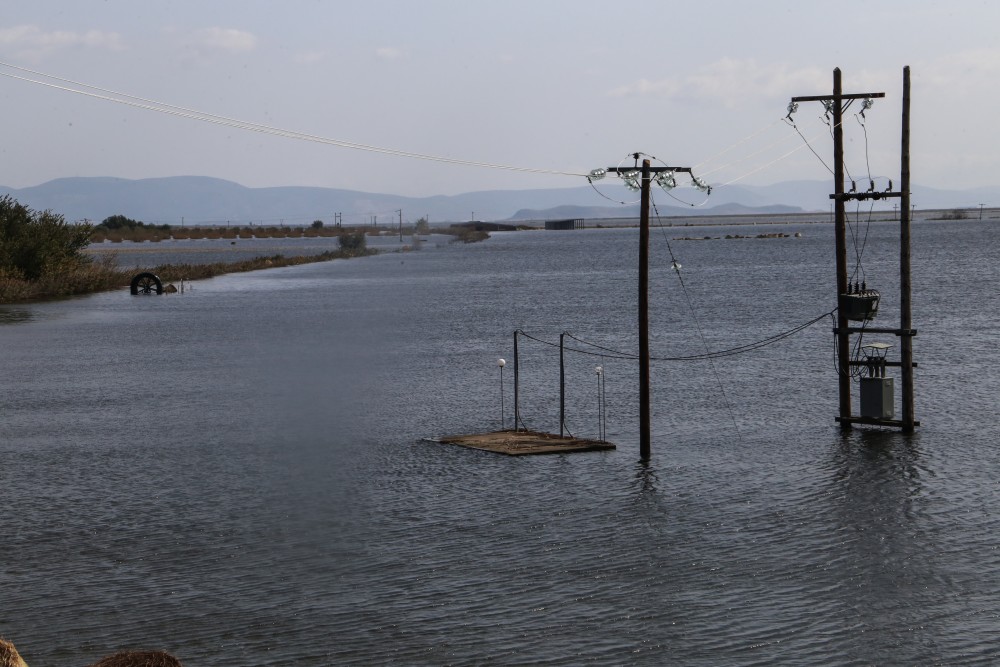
point(646, 176)
point(644, 429)
point(840, 231)
point(905, 307)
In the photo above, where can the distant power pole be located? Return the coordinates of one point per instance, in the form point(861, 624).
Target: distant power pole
point(980, 211)
point(400, 211)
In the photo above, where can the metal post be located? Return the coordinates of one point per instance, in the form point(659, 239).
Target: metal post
point(604, 406)
point(517, 416)
point(840, 230)
point(644, 427)
point(600, 408)
point(562, 385)
point(905, 307)
point(501, 364)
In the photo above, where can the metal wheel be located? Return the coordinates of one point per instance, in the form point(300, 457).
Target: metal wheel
point(146, 283)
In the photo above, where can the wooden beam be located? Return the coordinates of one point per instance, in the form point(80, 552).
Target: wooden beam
point(835, 96)
point(866, 195)
point(652, 170)
point(872, 421)
point(878, 330)
point(887, 364)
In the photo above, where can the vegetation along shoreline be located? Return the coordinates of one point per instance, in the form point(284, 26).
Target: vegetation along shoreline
point(43, 257)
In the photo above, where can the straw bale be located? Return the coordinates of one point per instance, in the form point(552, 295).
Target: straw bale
point(9, 657)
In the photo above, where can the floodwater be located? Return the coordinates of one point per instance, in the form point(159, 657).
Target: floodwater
point(148, 254)
point(239, 474)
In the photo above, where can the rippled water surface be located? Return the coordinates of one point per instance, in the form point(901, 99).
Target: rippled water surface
point(239, 474)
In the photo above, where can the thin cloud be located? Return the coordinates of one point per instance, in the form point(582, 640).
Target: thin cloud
point(229, 40)
point(30, 41)
point(729, 80)
point(967, 71)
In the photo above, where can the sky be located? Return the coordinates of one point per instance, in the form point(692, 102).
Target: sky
point(552, 88)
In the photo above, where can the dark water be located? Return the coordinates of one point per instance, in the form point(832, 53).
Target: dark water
point(238, 474)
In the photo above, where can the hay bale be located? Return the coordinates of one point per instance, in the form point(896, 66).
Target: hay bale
point(9, 657)
point(139, 659)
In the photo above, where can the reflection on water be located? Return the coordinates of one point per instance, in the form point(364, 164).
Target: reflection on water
point(10, 315)
point(239, 474)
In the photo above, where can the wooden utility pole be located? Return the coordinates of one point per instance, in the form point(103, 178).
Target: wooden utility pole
point(645, 433)
point(837, 104)
point(905, 307)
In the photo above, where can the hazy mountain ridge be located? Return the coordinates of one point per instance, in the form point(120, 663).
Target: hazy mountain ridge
point(206, 200)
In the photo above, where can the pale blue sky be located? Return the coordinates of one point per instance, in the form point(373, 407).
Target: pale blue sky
point(558, 85)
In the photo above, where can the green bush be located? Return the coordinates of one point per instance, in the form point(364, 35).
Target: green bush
point(33, 244)
point(353, 242)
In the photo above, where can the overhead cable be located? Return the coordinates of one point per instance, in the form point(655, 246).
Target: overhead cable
point(193, 114)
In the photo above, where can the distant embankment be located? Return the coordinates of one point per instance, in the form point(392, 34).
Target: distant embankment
point(479, 226)
point(632, 211)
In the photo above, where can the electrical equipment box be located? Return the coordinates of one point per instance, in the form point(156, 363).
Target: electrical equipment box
point(859, 306)
point(877, 398)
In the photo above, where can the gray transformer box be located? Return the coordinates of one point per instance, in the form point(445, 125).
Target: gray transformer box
point(877, 398)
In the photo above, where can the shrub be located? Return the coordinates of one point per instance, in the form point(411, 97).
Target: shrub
point(353, 242)
point(35, 244)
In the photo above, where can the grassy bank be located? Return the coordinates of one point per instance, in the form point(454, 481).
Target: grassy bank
point(104, 275)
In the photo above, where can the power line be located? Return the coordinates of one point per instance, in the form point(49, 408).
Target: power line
point(740, 349)
point(193, 114)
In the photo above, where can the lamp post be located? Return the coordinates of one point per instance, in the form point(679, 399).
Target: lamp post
point(501, 363)
point(600, 405)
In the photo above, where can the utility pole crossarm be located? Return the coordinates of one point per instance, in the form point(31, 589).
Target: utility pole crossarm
point(653, 170)
point(860, 196)
point(827, 98)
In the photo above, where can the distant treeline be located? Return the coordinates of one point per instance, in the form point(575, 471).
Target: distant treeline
point(117, 228)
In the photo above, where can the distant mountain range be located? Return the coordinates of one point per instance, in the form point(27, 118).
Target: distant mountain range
point(205, 200)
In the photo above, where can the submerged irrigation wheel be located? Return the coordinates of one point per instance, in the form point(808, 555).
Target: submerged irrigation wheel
point(146, 283)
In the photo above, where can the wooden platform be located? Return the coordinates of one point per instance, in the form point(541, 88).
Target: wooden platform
point(523, 443)
point(872, 421)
